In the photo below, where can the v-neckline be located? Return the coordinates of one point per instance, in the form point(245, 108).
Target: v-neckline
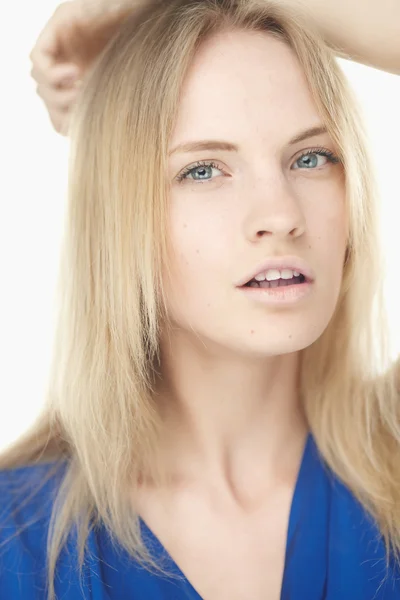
point(298, 503)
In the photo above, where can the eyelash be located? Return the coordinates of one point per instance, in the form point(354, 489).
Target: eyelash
point(332, 158)
point(201, 163)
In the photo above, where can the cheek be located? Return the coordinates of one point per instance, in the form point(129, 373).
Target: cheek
point(200, 247)
point(328, 243)
point(190, 278)
point(326, 214)
point(329, 226)
point(198, 239)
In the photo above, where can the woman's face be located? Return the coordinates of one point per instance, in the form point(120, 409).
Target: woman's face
point(240, 207)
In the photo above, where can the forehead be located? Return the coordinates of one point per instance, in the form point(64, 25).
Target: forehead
point(243, 84)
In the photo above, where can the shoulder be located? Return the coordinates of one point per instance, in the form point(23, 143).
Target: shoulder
point(27, 493)
point(356, 552)
point(26, 496)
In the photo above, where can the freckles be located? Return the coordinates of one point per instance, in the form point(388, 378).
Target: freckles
point(252, 331)
point(183, 258)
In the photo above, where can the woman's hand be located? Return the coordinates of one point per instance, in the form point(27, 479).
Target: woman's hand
point(66, 48)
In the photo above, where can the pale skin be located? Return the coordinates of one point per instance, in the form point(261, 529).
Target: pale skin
point(234, 428)
point(234, 425)
point(365, 30)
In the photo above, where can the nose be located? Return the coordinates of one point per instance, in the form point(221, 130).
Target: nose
point(273, 209)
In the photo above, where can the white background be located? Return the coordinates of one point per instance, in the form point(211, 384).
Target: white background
point(34, 158)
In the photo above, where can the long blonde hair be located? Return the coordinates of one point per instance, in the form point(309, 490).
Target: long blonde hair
point(100, 417)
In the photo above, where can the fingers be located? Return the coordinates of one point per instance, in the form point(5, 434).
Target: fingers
point(55, 76)
point(59, 103)
point(58, 87)
point(46, 47)
point(53, 69)
point(56, 99)
point(60, 121)
point(70, 42)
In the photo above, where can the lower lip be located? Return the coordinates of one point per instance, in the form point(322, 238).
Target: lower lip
point(288, 294)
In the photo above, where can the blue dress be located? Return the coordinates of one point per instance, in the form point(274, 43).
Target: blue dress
point(333, 550)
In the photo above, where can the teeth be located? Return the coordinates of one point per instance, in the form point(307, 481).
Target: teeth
point(287, 274)
point(274, 274)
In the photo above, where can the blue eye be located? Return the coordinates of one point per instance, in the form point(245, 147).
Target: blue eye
point(311, 155)
point(201, 171)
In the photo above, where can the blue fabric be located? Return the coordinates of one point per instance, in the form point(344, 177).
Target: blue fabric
point(333, 551)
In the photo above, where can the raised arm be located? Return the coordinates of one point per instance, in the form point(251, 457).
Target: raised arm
point(367, 31)
point(102, 7)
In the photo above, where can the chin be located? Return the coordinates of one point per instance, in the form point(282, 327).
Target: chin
point(274, 340)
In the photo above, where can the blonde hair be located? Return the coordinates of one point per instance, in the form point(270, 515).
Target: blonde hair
point(100, 418)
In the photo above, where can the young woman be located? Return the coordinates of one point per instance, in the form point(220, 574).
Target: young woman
point(217, 412)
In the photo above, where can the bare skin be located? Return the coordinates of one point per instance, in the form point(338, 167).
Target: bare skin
point(225, 550)
point(365, 31)
point(234, 429)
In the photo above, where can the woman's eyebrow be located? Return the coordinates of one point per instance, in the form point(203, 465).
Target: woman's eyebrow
point(307, 133)
point(213, 145)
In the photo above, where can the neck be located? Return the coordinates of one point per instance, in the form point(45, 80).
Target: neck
point(229, 418)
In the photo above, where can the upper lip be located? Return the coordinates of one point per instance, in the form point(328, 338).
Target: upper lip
point(279, 262)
